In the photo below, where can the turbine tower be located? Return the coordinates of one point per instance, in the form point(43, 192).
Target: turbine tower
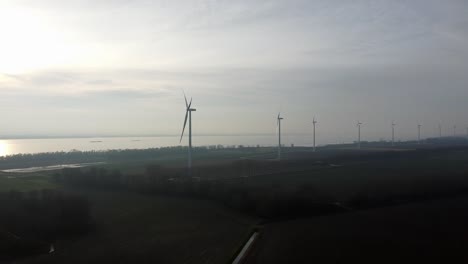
point(359, 134)
point(393, 133)
point(314, 122)
point(419, 133)
point(440, 131)
point(188, 115)
point(279, 118)
point(454, 130)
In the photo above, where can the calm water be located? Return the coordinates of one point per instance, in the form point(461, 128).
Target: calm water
point(16, 146)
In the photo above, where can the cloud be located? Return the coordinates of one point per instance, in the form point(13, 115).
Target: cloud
point(100, 82)
point(242, 61)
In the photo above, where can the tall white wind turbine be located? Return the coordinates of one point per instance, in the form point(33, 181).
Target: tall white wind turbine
point(188, 115)
point(359, 134)
point(314, 122)
point(393, 133)
point(440, 131)
point(454, 130)
point(279, 118)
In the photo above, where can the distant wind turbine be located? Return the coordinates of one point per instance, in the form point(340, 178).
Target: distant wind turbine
point(419, 133)
point(440, 131)
point(279, 118)
point(314, 122)
point(393, 133)
point(188, 115)
point(359, 134)
point(454, 130)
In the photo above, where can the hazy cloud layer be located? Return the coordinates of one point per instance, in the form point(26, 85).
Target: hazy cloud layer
point(119, 67)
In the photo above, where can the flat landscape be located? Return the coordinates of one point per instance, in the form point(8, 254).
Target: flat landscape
point(426, 232)
point(233, 132)
point(138, 228)
point(332, 206)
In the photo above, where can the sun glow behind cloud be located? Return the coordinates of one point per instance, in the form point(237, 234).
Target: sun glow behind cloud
point(87, 62)
point(29, 42)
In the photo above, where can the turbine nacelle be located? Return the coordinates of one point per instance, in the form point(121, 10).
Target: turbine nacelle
point(279, 118)
point(188, 109)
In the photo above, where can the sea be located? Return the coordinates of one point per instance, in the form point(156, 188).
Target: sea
point(40, 145)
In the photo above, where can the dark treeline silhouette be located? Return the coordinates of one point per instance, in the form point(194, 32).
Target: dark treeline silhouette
point(71, 157)
point(220, 182)
point(90, 177)
point(238, 185)
point(31, 221)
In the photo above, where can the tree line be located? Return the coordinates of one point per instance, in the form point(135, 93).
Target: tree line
point(75, 156)
point(235, 192)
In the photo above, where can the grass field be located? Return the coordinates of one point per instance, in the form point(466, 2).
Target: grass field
point(429, 232)
point(201, 158)
point(402, 174)
point(25, 182)
point(137, 228)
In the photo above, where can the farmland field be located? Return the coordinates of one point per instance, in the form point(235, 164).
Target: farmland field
point(138, 228)
point(25, 182)
point(377, 190)
point(429, 232)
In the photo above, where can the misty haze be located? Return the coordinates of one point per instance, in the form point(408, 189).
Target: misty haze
point(236, 132)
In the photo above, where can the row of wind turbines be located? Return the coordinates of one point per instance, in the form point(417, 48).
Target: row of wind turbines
point(358, 125)
point(188, 117)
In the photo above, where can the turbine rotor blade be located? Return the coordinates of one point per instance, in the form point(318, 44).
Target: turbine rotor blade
point(185, 123)
point(190, 104)
point(185, 97)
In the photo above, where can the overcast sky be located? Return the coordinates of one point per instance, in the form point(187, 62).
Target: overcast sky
point(98, 67)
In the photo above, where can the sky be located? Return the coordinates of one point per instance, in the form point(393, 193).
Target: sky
point(83, 67)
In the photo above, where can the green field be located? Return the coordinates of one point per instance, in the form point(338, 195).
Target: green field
point(137, 228)
point(403, 174)
point(25, 182)
point(429, 232)
point(143, 228)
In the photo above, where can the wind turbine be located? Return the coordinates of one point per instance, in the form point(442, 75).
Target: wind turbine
point(393, 133)
point(314, 122)
point(440, 130)
point(359, 134)
point(279, 118)
point(419, 133)
point(188, 115)
point(454, 130)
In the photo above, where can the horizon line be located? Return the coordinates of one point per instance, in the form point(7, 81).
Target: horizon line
point(38, 136)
